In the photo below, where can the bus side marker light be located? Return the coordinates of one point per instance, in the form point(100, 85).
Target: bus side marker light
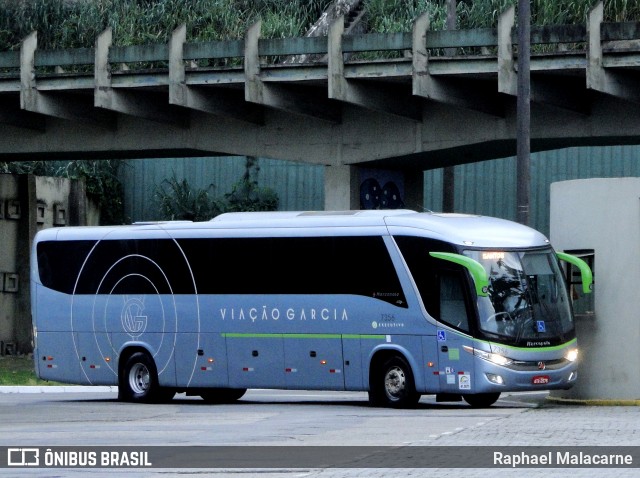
point(323, 362)
point(430, 364)
point(210, 360)
point(247, 369)
point(333, 370)
point(290, 370)
point(107, 359)
point(204, 369)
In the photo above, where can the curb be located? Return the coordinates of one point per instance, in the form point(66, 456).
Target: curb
point(57, 389)
point(595, 402)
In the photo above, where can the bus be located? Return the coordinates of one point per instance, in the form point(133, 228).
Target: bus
point(396, 303)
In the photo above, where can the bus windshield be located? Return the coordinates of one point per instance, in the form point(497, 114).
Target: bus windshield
point(527, 300)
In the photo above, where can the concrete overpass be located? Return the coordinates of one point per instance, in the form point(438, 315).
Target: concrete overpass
point(351, 113)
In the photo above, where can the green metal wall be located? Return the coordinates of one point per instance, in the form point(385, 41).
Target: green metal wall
point(489, 187)
point(299, 186)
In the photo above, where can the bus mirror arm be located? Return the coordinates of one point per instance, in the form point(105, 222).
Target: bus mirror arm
point(480, 276)
point(585, 270)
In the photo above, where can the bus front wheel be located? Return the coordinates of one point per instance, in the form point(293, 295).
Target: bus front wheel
point(481, 400)
point(392, 385)
point(138, 381)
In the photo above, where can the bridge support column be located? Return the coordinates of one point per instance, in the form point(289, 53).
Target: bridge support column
point(341, 188)
point(352, 187)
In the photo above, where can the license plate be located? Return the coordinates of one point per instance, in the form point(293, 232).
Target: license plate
point(540, 380)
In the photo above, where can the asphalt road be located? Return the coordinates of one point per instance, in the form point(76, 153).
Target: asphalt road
point(309, 418)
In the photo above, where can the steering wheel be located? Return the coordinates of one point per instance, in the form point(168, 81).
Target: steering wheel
point(497, 314)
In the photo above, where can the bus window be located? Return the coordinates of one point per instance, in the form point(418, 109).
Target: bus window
point(355, 265)
point(453, 309)
point(440, 284)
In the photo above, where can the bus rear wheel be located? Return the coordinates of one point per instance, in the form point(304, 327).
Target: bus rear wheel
point(481, 400)
point(392, 385)
point(138, 381)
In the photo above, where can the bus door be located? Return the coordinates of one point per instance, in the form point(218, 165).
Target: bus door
point(455, 366)
point(313, 362)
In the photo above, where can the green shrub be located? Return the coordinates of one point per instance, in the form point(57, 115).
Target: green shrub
point(178, 200)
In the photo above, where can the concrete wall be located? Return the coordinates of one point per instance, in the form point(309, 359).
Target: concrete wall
point(604, 215)
point(28, 204)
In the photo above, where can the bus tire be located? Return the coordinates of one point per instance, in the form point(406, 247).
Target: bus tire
point(223, 395)
point(392, 385)
point(481, 400)
point(138, 381)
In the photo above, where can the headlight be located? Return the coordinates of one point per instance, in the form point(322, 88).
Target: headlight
point(572, 355)
point(490, 357)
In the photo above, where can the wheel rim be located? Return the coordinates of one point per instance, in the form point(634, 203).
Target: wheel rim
point(395, 383)
point(139, 378)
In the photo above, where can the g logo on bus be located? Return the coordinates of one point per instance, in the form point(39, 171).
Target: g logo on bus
point(133, 322)
point(541, 366)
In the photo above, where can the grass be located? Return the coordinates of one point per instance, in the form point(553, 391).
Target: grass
point(74, 24)
point(19, 370)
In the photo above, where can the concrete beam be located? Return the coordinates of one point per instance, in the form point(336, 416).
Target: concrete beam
point(225, 102)
point(54, 104)
point(559, 92)
point(615, 83)
point(135, 103)
point(450, 91)
point(14, 116)
point(373, 97)
point(278, 96)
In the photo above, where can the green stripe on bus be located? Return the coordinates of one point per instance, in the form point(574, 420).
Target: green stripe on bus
point(536, 349)
point(233, 335)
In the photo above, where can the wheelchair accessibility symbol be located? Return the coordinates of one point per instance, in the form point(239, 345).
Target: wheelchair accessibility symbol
point(442, 336)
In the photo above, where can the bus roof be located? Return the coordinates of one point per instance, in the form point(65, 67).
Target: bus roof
point(460, 229)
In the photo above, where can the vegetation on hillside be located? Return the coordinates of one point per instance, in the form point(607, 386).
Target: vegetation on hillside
point(398, 15)
point(74, 24)
point(66, 24)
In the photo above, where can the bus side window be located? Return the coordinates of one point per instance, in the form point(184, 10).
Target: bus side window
point(453, 309)
point(442, 290)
